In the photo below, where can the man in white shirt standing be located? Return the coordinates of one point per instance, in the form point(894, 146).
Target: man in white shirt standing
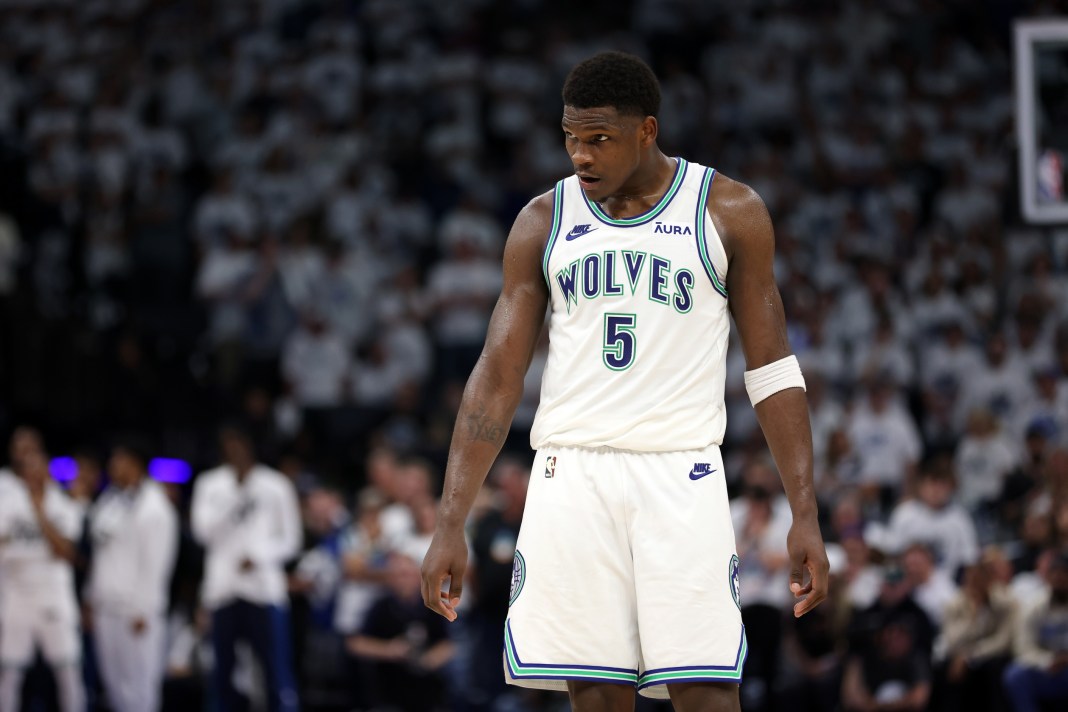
point(38, 610)
point(247, 517)
point(934, 519)
point(134, 532)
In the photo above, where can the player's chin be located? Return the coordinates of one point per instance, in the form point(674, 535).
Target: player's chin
point(594, 188)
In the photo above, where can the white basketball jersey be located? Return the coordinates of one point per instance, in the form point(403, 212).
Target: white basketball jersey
point(639, 324)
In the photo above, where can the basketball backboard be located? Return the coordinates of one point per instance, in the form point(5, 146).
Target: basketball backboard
point(1041, 68)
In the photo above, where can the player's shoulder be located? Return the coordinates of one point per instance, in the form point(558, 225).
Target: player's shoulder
point(535, 218)
point(272, 478)
point(213, 477)
point(732, 198)
point(8, 479)
point(154, 493)
point(738, 212)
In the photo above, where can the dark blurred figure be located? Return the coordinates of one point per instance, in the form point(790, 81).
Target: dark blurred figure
point(977, 634)
point(1038, 674)
point(815, 644)
point(493, 544)
point(762, 518)
point(895, 602)
point(405, 643)
point(892, 676)
point(364, 562)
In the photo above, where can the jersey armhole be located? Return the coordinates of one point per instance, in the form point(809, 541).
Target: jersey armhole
point(554, 229)
point(720, 285)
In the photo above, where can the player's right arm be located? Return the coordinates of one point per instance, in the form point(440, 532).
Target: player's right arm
point(490, 399)
point(59, 535)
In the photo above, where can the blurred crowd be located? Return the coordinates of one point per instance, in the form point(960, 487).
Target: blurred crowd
point(287, 217)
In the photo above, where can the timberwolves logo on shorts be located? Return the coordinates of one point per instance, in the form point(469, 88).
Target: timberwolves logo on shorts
point(736, 586)
point(519, 575)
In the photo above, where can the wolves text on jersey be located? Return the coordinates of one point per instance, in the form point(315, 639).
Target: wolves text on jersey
point(610, 273)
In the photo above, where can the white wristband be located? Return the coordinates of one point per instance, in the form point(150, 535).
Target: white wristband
point(774, 377)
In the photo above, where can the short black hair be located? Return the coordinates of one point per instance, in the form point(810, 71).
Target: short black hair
point(135, 446)
point(616, 79)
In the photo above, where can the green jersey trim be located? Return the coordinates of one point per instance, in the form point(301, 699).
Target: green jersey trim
point(554, 230)
point(702, 245)
point(520, 670)
point(726, 673)
point(648, 216)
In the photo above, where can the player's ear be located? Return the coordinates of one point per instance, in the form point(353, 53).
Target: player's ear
point(648, 130)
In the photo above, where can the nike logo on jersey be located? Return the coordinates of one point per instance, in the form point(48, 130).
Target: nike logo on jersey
point(579, 231)
point(701, 469)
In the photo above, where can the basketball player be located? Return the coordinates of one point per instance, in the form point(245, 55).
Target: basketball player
point(134, 533)
point(625, 574)
point(24, 441)
point(38, 610)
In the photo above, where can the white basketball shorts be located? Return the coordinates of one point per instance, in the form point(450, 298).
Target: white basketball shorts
point(39, 624)
point(625, 572)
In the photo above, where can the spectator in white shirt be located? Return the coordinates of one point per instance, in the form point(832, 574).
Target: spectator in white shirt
point(885, 438)
point(1039, 672)
point(885, 355)
point(462, 290)
point(934, 519)
point(134, 533)
point(985, 457)
point(247, 517)
point(1047, 407)
point(223, 213)
point(1002, 385)
point(946, 361)
point(316, 364)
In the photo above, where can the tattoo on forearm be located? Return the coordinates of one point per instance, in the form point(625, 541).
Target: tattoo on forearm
point(480, 427)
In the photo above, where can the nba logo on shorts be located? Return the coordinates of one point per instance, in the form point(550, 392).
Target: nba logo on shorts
point(519, 577)
point(550, 466)
point(735, 582)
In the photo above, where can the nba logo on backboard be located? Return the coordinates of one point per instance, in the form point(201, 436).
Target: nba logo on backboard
point(550, 466)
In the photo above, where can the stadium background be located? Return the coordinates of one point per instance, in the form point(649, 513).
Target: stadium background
point(291, 213)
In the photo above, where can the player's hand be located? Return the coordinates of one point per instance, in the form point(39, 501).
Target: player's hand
point(446, 559)
point(805, 545)
point(138, 626)
point(37, 496)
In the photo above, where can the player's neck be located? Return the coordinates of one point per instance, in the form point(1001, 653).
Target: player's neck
point(644, 189)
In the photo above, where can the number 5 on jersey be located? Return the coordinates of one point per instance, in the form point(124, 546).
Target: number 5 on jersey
point(620, 343)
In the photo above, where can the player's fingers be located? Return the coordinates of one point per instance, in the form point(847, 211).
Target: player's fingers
point(432, 596)
point(423, 588)
point(817, 593)
point(819, 570)
point(797, 575)
point(456, 588)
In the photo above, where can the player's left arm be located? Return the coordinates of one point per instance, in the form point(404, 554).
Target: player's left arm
point(743, 222)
